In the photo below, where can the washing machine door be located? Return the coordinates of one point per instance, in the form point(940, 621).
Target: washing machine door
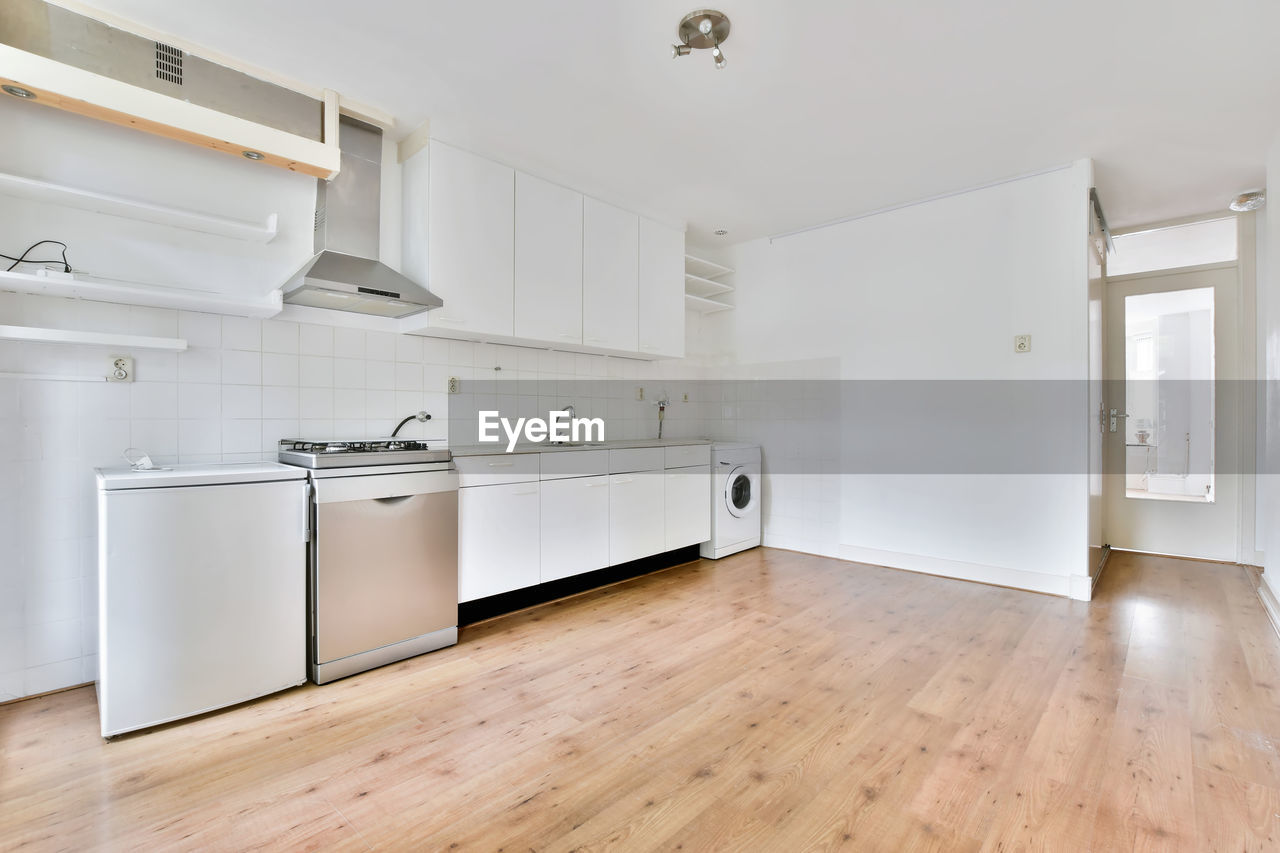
point(742, 491)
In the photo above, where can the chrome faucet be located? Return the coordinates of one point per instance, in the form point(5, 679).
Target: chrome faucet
point(662, 403)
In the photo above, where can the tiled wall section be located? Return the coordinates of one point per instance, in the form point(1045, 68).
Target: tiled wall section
point(240, 387)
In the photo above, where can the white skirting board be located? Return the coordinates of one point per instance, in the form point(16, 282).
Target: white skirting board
point(1270, 604)
point(1079, 587)
point(998, 575)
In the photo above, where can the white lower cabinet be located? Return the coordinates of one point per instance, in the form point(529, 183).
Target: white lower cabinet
point(575, 526)
point(498, 539)
point(688, 506)
point(636, 518)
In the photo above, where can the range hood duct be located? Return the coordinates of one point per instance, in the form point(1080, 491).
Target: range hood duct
point(343, 274)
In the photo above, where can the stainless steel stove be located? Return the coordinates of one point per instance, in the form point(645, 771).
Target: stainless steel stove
point(312, 453)
point(383, 552)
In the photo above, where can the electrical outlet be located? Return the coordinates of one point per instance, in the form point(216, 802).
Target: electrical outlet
point(1022, 343)
point(121, 369)
point(686, 396)
point(640, 393)
point(454, 385)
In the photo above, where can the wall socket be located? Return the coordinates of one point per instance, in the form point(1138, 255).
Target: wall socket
point(1022, 343)
point(121, 369)
point(640, 392)
point(454, 385)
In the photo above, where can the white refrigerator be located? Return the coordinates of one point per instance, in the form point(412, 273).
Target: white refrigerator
point(202, 589)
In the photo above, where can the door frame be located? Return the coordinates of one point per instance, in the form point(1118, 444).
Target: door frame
point(1246, 342)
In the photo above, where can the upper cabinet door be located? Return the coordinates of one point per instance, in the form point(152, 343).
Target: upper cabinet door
point(661, 299)
point(548, 262)
point(472, 242)
point(610, 247)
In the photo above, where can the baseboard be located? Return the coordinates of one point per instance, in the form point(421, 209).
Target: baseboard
point(46, 693)
point(1270, 604)
point(959, 570)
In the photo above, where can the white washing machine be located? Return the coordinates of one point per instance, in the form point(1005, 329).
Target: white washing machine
point(735, 500)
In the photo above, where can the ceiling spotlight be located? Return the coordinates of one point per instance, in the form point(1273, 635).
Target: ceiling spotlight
point(252, 155)
point(721, 232)
point(705, 29)
point(1251, 200)
point(19, 92)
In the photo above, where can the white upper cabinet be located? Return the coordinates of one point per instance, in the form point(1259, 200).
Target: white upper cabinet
point(661, 294)
point(548, 261)
point(610, 248)
point(471, 242)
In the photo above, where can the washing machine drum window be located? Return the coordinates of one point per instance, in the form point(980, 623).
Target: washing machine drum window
point(740, 492)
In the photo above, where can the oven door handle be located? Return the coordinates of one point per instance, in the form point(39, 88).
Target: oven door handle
point(384, 487)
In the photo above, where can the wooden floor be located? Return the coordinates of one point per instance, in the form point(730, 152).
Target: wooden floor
point(770, 701)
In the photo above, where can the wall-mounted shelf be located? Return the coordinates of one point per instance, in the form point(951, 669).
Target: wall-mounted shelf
point(703, 305)
point(103, 339)
point(82, 286)
point(54, 377)
point(190, 220)
point(701, 285)
point(698, 286)
point(704, 268)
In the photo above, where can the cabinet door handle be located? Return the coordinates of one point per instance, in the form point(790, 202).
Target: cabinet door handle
point(450, 319)
point(525, 492)
point(622, 481)
point(596, 485)
point(510, 464)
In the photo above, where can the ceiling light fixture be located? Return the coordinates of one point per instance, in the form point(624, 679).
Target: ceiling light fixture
point(1251, 200)
point(253, 155)
point(19, 92)
point(705, 29)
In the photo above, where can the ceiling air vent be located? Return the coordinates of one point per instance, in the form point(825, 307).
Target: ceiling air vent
point(168, 63)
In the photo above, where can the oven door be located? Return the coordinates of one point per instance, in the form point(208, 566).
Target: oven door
point(384, 561)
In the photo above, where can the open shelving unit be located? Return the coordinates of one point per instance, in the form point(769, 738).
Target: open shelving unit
point(702, 285)
point(102, 339)
point(143, 211)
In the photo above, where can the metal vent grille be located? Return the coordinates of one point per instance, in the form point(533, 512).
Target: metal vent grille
point(168, 63)
point(320, 218)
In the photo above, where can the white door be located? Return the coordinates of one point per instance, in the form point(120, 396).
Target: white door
point(610, 247)
point(688, 506)
point(470, 258)
point(498, 535)
point(548, 262)
point(661, 290)
point(636, 516)
point(1171, 454)
point(575, 526)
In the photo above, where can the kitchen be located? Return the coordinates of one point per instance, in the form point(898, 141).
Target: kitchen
point(588, 609)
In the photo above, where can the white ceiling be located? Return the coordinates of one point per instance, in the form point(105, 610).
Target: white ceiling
point(827, 108)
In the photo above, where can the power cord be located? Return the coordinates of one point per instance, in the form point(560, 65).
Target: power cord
point(22, 259)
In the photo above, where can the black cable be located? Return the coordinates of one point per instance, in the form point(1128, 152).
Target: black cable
point(66, 266)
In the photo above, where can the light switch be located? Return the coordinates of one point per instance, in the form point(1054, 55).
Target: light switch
point(1022, 343)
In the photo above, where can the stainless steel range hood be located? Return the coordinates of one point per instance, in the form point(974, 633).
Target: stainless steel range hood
point(344, 274)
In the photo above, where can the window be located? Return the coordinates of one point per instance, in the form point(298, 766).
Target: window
point(1169, 395)
point(1209, 242)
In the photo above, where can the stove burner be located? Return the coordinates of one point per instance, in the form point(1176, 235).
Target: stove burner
point(399, 445)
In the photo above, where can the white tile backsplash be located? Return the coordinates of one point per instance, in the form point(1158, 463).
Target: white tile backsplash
point(240, 387)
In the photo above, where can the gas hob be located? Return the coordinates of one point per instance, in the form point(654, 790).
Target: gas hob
point(312, 453)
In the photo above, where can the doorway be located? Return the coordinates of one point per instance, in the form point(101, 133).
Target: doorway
point(1172, 422)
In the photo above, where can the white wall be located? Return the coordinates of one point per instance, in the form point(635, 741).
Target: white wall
point(1269, 344)
point(240, 387)
point(935, 291)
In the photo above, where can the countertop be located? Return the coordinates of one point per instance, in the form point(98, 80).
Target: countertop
point(500, 447)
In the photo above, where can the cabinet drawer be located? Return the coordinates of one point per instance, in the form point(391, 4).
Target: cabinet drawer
point(574, 463)
point(497, 469)
point(636, 459)
point(688, 455)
